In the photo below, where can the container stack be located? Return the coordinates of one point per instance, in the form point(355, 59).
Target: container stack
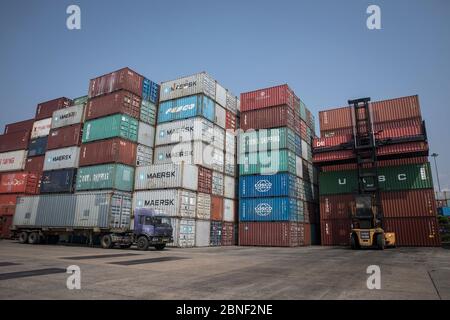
point(404, 174)
point(193, 178)
point(277, 184)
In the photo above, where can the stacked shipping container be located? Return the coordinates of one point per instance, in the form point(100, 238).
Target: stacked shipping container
point(404, 174)
point(194, 173)
point(277, 184)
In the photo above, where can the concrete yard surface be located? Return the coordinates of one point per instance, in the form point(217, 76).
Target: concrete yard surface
point(39, 272)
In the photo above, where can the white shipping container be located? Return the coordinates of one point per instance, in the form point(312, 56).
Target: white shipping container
point(230, 164)
point(168, 202)
point(187, 86)
point(164, 176)
point(221, 95)
point(228, 210)
point(219, 137)
point(232, 103)
point(229, 187)
point(144, 156)
point(299, 166)
point(62, 158)
point(230, 142)
point(183, 232)
point(146, 134)
point(203, 206)
point(26, 211)
point(221, 116)
point(217, 184)
point(41, 128)
point(202, 233)
point(193, 129)
point(191, 153)
point(13, 160)
point(68, 116)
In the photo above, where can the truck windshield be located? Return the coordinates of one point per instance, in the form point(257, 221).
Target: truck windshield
point(156, 220)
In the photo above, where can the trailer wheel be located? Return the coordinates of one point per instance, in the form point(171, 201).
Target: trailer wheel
point(23, 237)
point(34, 238)
point(106, 242)
point(160, 246)
point(142, 243)
point(380, 241)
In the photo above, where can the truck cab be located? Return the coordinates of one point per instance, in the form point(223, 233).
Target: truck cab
point(151, 229)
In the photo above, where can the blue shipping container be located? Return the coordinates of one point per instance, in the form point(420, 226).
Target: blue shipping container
point(150, 91)
point(37, 147)
point(444, 211)
point(277, 185)
point(269, 209)
point(186, 107)
point(58, 181)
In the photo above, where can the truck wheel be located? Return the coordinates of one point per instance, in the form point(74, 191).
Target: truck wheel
point(142, 243)
point(160, 246)
point(34, 238)
point(380, 241)
point(23, 237)
point(106, 242)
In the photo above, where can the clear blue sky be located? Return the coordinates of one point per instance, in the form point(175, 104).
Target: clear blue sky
point(321, 48)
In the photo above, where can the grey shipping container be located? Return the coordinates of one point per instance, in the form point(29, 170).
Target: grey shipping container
point(193, 129)
point(68, 116)
point(144, 156)
point(168, 202)
point(164, 176)
point(62, 158)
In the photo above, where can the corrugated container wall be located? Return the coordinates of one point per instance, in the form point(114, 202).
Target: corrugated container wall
point(14, 141)
point(13, 160)
point(58, 181)
point(68, 116)
point(114, 150)
point(167, 176)
point(124, 78)
point(118, 125)
point(46, 109)
point(118, 102)
point(41, 128)
point(26, 125)
point(170, 202)
point(65, 137)
point(62, 158)
point(108, 176)
point(37, 147)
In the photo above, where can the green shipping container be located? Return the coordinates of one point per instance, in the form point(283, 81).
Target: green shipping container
point(108, 176)
point(279, 138)
point(271, 162)
point(148, 112)
point(118, 125)
point(302, 111)
point(80, 100)
point(406, 177)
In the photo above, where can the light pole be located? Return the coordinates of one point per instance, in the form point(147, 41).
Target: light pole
point(435, 155)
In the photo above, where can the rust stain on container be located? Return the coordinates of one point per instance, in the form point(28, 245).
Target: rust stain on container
point(108, 151)
point(26, 125)
point(204, 180)
point(14, 141)
point(274, 234)
point(267, 97)
point(118, 102)
point(65, 137)
point(35, 164)
point(46, 109)
point(124, 78)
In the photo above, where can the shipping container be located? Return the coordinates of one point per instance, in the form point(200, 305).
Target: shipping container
point(203, 210)
point(215, 233)
point(217, 184)
point(37, 147)
point(148, 112)
point(274, 117)
point(5, 226)
point(230, 164)
point(13, 160)
point(63, 137)
point(186, 107)
point(183, 232)
point(9, 199)
point(83, 210)
point(117, 102)
point(106, 176)
point(380, 163)
point(269, 209)
point(26, 125)
point(125, 79)
point(229, 189)
point(118, 125)
point(114, 150)
point(46, 109)
point(277, 185)
point(414, 231)
point(201, 83)
point(270, 139)
point(335, 232)
point(230, 142)
point(41, 128)
point(62, 158)
point(216, 208)
point(202, 233)
point(228, 234)
point(150, 91)
point(68, 116)
point(194, 129)
point(146, 135)
point(271, 162)
point(14, 141)
point(229, 210)
point(267, 97)
point(410, 203)
point(80, 100)
point(220, 117)
point(170, 202)
point(204, 180)
point(58, 181)
point(19, 182)
point(144, 156)
point(166, 176)
point(230, 121)
point(273, 234)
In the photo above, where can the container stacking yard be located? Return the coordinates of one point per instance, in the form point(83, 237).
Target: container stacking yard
point(226, 171)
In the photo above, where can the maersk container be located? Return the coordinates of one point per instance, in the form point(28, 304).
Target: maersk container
point(277, 185)
point(268, 209)
point(186, 107)
point(270, 139)
point(167, 202)
point(58, 181)
point(166, 176)
point(37, 147)
point(83, 210)
point(146, 134)
point(13, 160)
point(118, 125)
point(270, 162)
point(108, 176)
point(183, 232)
point(62, 158)
point(144, 156)
point(194, 129)
point(195, 152)
point(148, 112)
point(41, 128)
point(187, 86)
point(68, 116)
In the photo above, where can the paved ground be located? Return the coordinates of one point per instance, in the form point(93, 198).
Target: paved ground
point(37, 272)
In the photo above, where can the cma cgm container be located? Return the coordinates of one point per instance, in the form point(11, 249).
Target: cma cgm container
point(14, 141)
point(118, 125)
point(13, 160)
point(37, 147)
point(186, 107)
point(275, 234)
point(271, 162)
point(166, 176)
point(46, 109)
point(118, 102)
point(26, 125)
point(68, 116)
point(62, 158)
point(170, 202)
point(41, 128)
point(108, 176)
point(58, 181)
point(269, 209)
point(269, 97)
point(270, 139)
point(65, 137)
point(108, 151)
point(19, 182)
point(278, 185)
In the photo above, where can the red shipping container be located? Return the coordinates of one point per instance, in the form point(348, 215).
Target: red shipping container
point(5, 225)
point(335, 232)
point(118, 102)
point(19, 182)
point(14, 141)
point(267, 97)
point(407, 204)
point(65, 137)
point(204, 180)
point(8, 199)
point(335, 207)
point(333, 156)
point(381, 163)
point(35, 164)
point(319, 143)
point(311, 212)
point(46, 109)
point(124, 78)
point(228, 232)
point(272, 234)
point(26, 125)
point(108, 151)
point(281, 116)
point(414, 231)
point(216, 208)
point(230, 121)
